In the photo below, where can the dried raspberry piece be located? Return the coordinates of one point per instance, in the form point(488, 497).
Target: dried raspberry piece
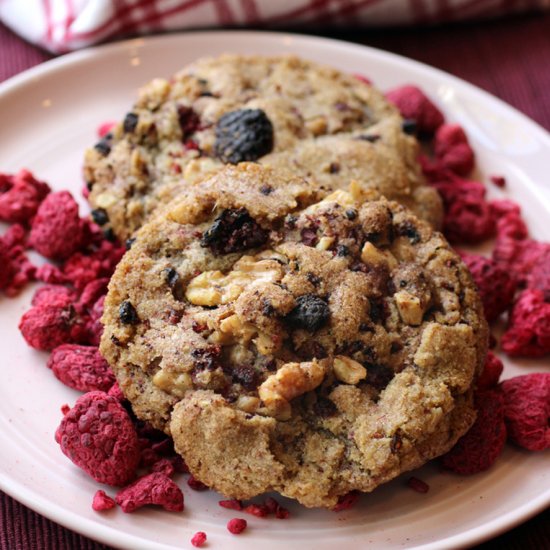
point(234, 230)
point(364, 79)
point(256, 510)
point(104, 128)
point(102, 501)
point(164, 466)
point(491, 373)
point(196, 485)
point(81, 368)
point(92, 292)
point(47, 326)
point(528, 332)
point(236, 525)
point(57, 230)
point(414, 104)
point(155, 488)
point(51, 275)
point(232, 504)
point(199, 538)
point(65, 409)
point(116, 392)
point(495, 284)
point(509, 223)
point(345, 502)
point(20, 196)
point(468, 216)
point(271, 505)
point(527, 410)
point(84, 267)
point(54, 295)
point(499, 181)
point(98, 436)
point(478, 449)
point(418, 485)
point(282, 513)
point(17, 270)
point(310, 313)
point(93, 328)
point(453, 150)
point(245, 134)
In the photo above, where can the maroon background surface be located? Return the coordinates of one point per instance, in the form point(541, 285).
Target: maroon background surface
point(509, 58)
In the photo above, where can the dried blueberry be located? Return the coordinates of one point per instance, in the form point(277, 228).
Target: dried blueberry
point(245, 134)
point(109, 234)
point(266, 190)
point(130, 122)
point(407, 229)
point(342, 250)
point(129, 242)
point(246, 376)
point(103, 146)
point(310, 313)
point(309, 236)
point(371, 138)
point(378, 376)
point(100, 216)
point(324, 407)
point(409, 126)
point(334, 167)
point(128, 314)
point(206, 358)
point(233, 231)
point(351, 213)
point(173, 279)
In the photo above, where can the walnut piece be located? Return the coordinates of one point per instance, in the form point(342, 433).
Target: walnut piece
point(374, 256)
point(409, 307)
point(348, 371)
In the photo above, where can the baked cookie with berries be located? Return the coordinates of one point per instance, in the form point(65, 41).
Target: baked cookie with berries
point(234, 108)
point(311, 347)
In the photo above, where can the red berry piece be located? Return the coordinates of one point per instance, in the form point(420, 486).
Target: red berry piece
point(98, 436)
point(453, 150)
point(232, 504)
point(527, 410)
point(490, 375)
point(198, 539)
point(20, 196)
point(236, 526)
point(196, 485)
point(345, 502)
point(102, 501)
point(418, 485)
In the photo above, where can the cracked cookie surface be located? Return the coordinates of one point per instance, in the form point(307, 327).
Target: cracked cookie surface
point(288, 343)
point(238, 108)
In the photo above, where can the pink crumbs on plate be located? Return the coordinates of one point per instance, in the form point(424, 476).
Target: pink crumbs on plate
point(20, 196)
point(453, 150)
point(236, 525)
point(81, 368)
point(198, 539)
point(527, 410)
point(98, 436)
point(155, 488)
point(347, 501)
point(102, 501)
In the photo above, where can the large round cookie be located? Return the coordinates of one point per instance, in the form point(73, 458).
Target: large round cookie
point(239, 108)
point(312, 348)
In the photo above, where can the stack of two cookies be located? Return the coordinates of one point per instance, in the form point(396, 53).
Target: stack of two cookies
point(281, 313)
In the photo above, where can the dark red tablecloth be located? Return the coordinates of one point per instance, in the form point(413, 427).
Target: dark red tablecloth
point(509, 58)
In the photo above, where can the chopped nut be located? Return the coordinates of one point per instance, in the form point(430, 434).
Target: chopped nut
point(105, 200)
point(348, 371)
point(290, 381)
point(325, 243)
point(317, 126)
point(372, 255)
point(176, 383)
point(248, 403)
point(213, 288)
point(410, 308)
point(198, 169)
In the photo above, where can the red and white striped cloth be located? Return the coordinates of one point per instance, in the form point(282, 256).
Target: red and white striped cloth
point(64, 25)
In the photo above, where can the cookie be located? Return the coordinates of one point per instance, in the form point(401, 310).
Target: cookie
point(241, 108)
point(311, 347)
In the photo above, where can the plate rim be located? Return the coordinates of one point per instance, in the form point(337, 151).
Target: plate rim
point(109, 534)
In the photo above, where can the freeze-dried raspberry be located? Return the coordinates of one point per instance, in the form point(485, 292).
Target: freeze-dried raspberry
point(414, 104)
point(84, 267)
point(468, 216)
point(478, 449)
point(116, 392)
point(92, 292)
point(418, 485)
point(364, 79)
point(47, 326)
point(282, 513)
point(104, 128)
point(453, 150)
point(199, 538)
point(16, 270)
point(65, 409)
point(98, 436)
point(490, 375)
point(196, 485)
point(495, 284)
point(51, 275)
point(102, 501)
point(164, 466)
point(236, 525)
point(234, 230)
point(528, 332)
point(56, 231)
point(232, 504)
point(81, 368)
point(155, 488)
point(54, 295)
point(499, 181)
point(347, 501)
point(92, 323)
point(527, 410)
point(509, 222)
point(20, 196)
point(256, 510)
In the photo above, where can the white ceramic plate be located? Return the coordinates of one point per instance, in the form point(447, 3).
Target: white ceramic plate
point(50, 114)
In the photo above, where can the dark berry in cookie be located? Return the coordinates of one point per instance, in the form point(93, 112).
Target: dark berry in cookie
point(130, 122)
point(233, 231)
point(128, 314)
point(246, 134)
point(310, 313)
